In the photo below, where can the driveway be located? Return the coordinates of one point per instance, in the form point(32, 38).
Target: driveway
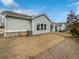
point(69, 49)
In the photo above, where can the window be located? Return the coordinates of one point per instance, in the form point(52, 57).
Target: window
point(44, 26)
point(51, 26)
point(56, 29)
point(38, 27)
point(41, 26)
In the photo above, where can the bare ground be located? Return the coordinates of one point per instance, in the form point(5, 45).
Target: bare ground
point(1, 29)
point(24, 47)
point(69, 49)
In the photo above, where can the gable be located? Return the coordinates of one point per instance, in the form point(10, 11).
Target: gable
point(42, 16)
point(40, 20)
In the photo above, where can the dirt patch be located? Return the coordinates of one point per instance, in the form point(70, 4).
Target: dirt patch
point(69, 49)
point(24, 47)
point(1, 29)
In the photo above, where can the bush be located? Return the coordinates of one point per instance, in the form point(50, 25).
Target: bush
point(75, 29)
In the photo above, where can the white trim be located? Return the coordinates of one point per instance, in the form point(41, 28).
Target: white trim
point(16, 30)
point(5, 26)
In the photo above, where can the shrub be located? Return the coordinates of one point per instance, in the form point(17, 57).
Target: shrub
point(75, 29)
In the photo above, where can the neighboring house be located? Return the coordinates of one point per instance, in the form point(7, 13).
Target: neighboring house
point(15, 22)
point(57, 28)
point(1, 21)
point(60, 27)
point(53, 25)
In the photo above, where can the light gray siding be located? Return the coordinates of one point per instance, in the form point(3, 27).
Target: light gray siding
point(63, 27)
point(40, 20)
point(16, 24)
point(53, 27)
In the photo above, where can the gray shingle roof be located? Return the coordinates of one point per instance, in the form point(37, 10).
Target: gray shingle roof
point(18, 15)
point(14, 14)
point(59, 24)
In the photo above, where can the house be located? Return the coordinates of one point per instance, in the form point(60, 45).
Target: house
point(1, 21)
point(53, 25)
point(60, 27)
point(15, 22)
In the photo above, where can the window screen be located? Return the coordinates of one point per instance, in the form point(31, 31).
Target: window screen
point(38, 27)
point(44, 26)
point(41, 26)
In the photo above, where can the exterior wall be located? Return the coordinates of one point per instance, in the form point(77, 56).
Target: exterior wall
point(63, 27)
point(16, 24)
point(2, 20)
point(58, 28)
point(40, 20)
point(53, 28)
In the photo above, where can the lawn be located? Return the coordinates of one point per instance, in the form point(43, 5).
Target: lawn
point(24, 47)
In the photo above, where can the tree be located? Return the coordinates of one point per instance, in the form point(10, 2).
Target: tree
point(73, 24)
point(70, 18)
point(75, 29)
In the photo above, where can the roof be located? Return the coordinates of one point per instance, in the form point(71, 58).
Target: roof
point(59, 24)
point(18, 15)
point(14, 14)
point(53, 22)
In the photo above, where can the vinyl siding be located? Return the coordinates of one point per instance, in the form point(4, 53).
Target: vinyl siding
point(16, 24)
point(63, 27)
point(40, 20)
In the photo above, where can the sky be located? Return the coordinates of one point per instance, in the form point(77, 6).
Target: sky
point(56, 10)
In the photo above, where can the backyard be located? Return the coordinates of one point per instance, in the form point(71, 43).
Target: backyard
point(28, 46)
point(69, 49)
